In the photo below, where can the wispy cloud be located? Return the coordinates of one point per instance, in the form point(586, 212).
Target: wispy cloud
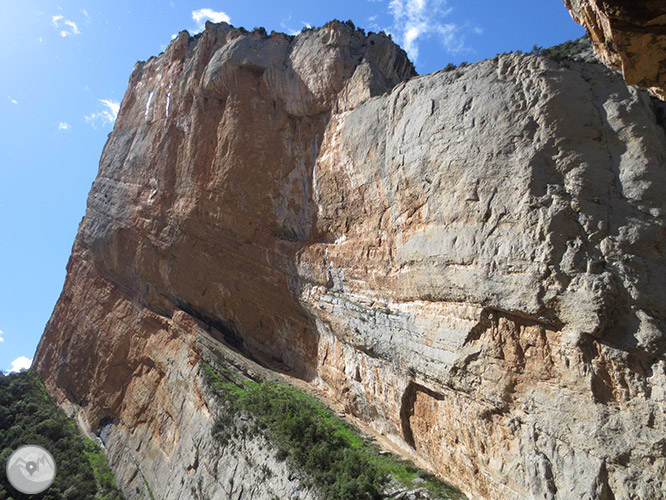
point(372, 23)
point(416, 20)
point(1, 334)
point(20, 363)
point(288, 27)
point(63, 126)
point(113, 107)
point(13, 101)
point(74, 29)
point(66, 27)
point(106, 116)
point(296, 32)
point(202, 15)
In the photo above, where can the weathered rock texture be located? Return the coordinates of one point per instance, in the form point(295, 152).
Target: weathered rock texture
point(629, 36)
point(472, 262)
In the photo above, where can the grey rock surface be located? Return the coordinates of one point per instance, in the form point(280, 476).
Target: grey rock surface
point(471, 262)
point(492, 293)
point(172, 460)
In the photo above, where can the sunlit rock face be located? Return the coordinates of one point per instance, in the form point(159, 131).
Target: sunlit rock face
point(628, 36)
point(471, 261)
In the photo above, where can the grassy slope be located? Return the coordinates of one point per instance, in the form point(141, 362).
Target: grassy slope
point(340, 462)
point(28, 416)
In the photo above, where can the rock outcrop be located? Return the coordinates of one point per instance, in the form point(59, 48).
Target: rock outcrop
point(629, 36)
point(471, 261)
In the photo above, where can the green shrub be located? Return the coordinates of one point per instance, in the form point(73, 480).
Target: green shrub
point(565, 51)
point(598, 264)
point(339, 461)
point(28, 416)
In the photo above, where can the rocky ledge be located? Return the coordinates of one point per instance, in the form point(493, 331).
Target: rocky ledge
point(628, 36)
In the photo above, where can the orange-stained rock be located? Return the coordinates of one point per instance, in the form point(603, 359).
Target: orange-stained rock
point(470, 261)
point(627, 35)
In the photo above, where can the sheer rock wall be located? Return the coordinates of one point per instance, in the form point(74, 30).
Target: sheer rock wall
point(471, 261)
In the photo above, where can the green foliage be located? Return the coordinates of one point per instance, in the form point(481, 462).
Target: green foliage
point(598, 264)
point(261, 30)
point(340, 462)
point(147, 485)
point(565, 51)
point(28, 416)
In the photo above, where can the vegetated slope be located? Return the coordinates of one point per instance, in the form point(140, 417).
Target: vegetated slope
point(470, 261)
point(29, 416)
point(336, 459)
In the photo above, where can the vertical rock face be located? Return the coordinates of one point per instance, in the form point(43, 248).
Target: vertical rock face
point(629, 36)
point(201, 205)
point(489, 290)
point(471, 261)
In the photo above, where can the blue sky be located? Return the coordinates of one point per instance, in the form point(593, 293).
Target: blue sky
point(65, 68)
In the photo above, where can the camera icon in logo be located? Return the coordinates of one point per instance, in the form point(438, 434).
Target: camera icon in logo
point(31, 469)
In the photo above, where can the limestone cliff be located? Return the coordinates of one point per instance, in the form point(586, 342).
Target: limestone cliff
point(629, 36)
point(471, 261)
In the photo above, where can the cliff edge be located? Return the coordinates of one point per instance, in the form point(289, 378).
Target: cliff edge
point(628, 36)
point(470, 261)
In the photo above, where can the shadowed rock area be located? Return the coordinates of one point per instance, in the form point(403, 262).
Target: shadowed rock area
point(471, 262)
point(628, 36)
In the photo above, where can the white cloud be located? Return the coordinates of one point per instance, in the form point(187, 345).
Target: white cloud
point(113, 106)
point(202, 15)
point(66, 27)
point(1, 334)
point(415, 20)
point(106, 116)
point(372, 24)
point(288, 28)
point(13, 101)
point(63, 126)
point(74, 29)
point(20, 363)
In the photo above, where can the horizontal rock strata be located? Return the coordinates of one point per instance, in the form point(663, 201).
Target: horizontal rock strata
point(470, 261)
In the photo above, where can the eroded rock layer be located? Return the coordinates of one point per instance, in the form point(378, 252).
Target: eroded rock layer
point(471, 261)
point(629, 36)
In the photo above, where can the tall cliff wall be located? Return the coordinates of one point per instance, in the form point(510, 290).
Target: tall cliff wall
point(471, 261)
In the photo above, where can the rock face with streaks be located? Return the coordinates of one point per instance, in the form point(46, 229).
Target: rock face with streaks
point(470, 261)
point(629, 36)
